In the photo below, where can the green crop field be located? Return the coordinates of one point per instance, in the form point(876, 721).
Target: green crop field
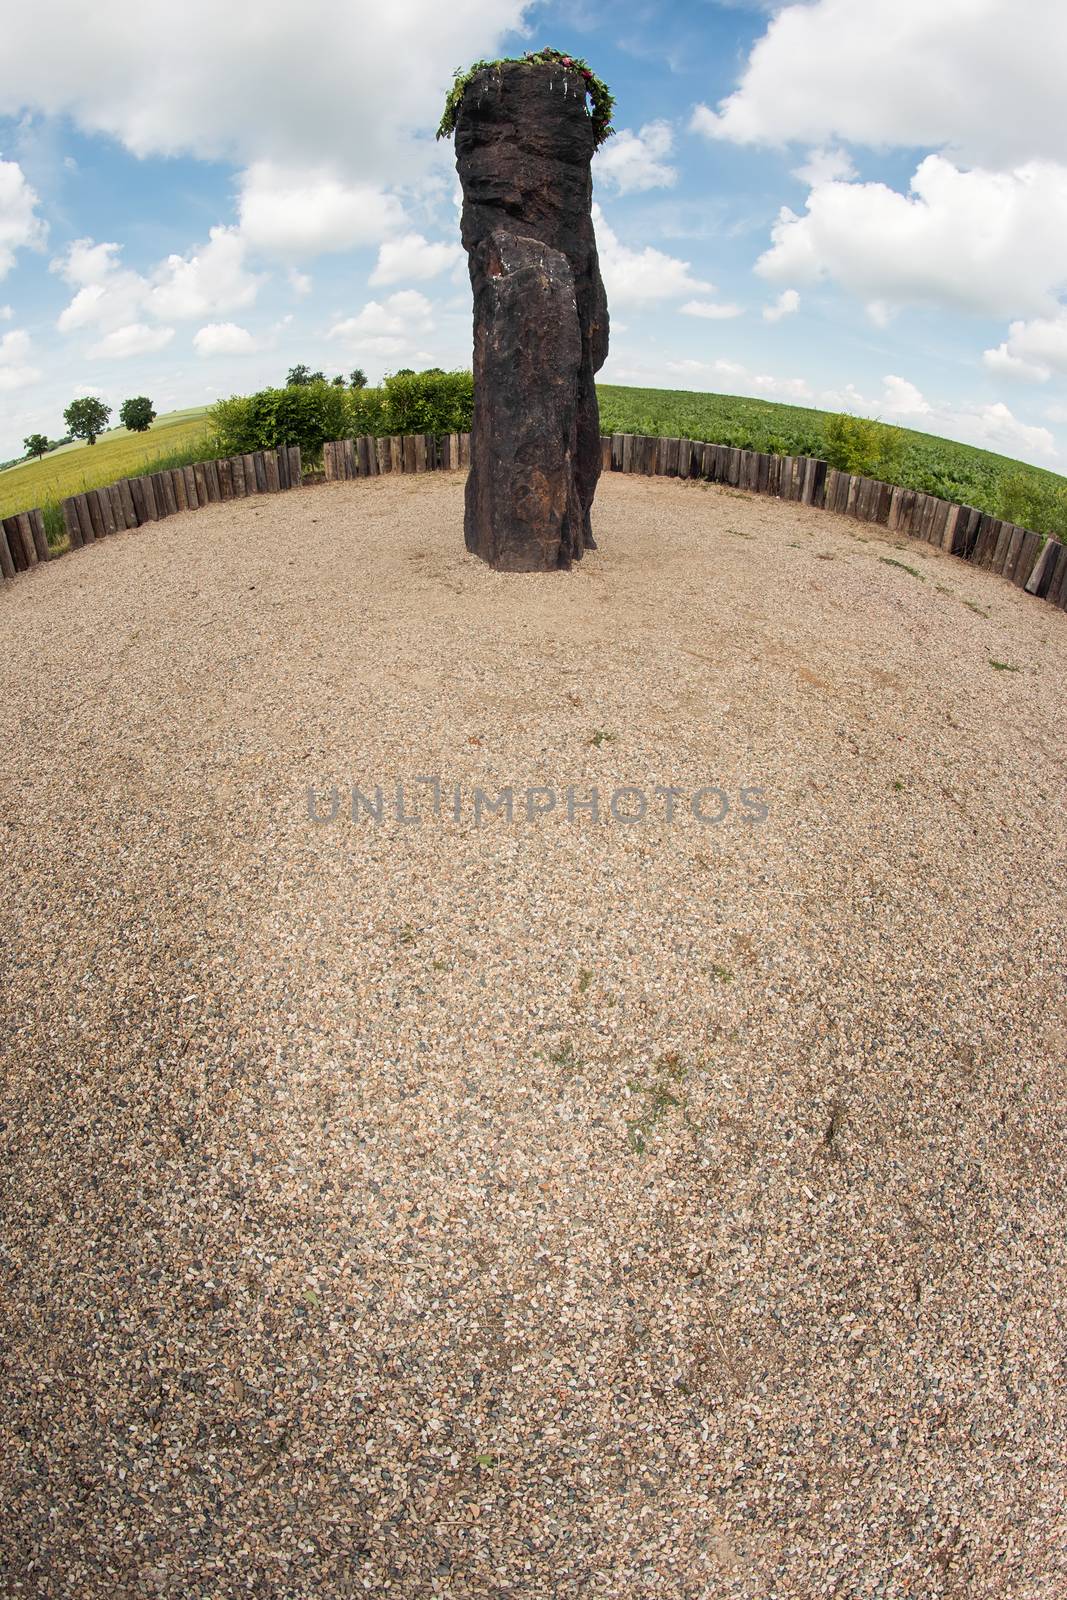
point(1025, 494)
point(116, 454)
point(936, 466)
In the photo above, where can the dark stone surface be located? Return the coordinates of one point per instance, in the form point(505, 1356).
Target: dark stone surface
point(524, 143)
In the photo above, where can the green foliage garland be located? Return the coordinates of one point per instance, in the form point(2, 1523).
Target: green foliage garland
point(601, 99)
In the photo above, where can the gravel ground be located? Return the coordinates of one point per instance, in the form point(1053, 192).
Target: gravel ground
point(546, 1207)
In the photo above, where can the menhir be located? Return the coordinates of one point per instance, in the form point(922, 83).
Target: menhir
point(524, 143)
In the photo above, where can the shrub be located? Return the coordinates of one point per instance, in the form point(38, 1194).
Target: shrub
point(306, 414)
point(426, 402)
point(1033, 502)
point(863, 447)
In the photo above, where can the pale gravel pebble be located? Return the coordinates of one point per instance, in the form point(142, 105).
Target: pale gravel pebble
point(542, 1208)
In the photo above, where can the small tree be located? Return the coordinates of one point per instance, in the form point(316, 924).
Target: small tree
point(36, 444)
point(357, 378)
point(338, 382)
point(87, 417)
point(299, 376)
point(137, 414)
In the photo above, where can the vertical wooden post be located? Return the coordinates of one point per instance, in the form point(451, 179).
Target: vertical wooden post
point(7, 558)
point(25, 533)
point(1038, 581)
point(40, 537)
point(296, 472)
point(69, 508)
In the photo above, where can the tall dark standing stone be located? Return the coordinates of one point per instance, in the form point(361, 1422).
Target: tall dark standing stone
point(524, 143)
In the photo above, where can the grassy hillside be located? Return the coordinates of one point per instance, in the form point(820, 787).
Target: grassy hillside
point(936, 466)
point(116, 454)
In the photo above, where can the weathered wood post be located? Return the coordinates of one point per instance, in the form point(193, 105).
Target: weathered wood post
point(524, 143)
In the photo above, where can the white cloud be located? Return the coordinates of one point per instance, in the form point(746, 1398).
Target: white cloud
point(630, 162)
point(20, 226)
point(6, 313)
point(903, 399)
point(981, 78)
point(299, 282)
point(730, 377)
point(213, 277)
point(87, 263)
point(413, 258)
point(245, 84)
point(786, 305)
point(991, 426)
point(1033, 350)
point(636, 277)
point(297, 211)
point(978, 241)
point(135, 339)
point(1001, 361)
point(16, 371)
point(224, 339)
point(825, 166)
point(109, 296)
point(386, 328)
point(714, 310)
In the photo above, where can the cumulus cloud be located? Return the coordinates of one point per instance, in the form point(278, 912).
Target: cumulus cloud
point(16, 369)
point(732, 377)
point(135, 339)
point(978, 241)
point(115, 299)
point(787, 303)
point(353, 80)
point(388, 327)
point(6, 313)
point(20, 226)
point(713, 310)
point(631, 161)
point(825, 166)
point(413, 258)
point(289, 210)
point(809, 78)
point(991, 426)
point(641, 277)
point(299, 282)
point(213, 277)
point(224, 339)
point(1033, 350)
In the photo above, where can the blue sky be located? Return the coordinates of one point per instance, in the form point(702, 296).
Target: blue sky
point(858, 204)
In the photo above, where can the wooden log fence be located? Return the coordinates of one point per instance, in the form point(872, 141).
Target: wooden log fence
point(133, 502)
point(1035, 564)
point(1021, 556)
point(97, 513)
point(370, 457)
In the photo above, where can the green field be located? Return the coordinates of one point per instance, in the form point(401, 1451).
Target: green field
point(116, 454)
point(1030, 495)
point(958, 472)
